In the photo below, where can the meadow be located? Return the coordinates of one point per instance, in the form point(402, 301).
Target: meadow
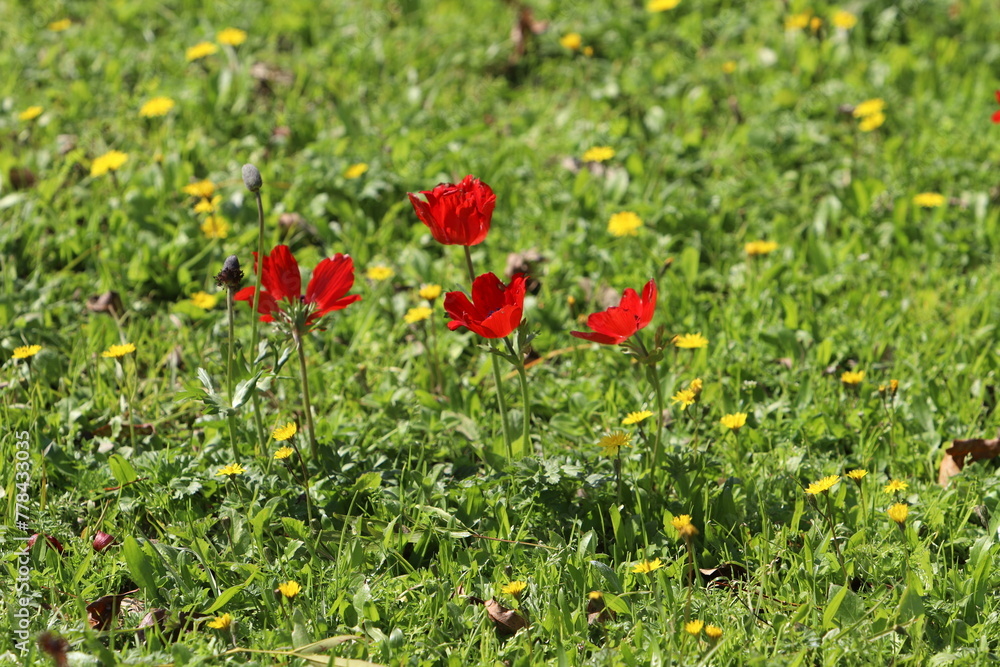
point(727, 398)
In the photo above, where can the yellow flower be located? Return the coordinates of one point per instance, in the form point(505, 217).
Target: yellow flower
point(355, 170)
point(734, 422)
point(110, 161)
point(285, 432)
point(898, 513)
point(685, 397)
point(204, 300)
point(661, 5)
point(614, 441)
point(695, 387)
point(647, 566)
point(872, 122)
point(844, 20)
point(797, 21)
point(713, 632)
point(231, 36)
point(870, 107)
point(208, 205)
point(690, 341)
point(929, 200)
point(729, 67)
point(895, 485)
point(116, 351)
point(59, 26)
point(599, 154)
point(684, 526)
point(418, 314)
point(625, 223)
point(755, 248)
point(200, 50)
point(636, 417)
point(202, 189)
point(588, 51)
point(284, 453)
point(429, 292)
point(221, 622)
point(232, 470)
point(289, 589)
point(595, 595)
point(31, 113)
point(215, 227)
point(815, 23)
point(26, 351)
point(515, 588)
point(158, 106)
point(890, 388)
point(379, 272)
point(852, 377)
point(857, 475)
point(693, 627)
point(571, 40)
point(822, 485)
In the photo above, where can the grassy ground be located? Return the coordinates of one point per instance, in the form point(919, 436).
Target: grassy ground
point(730, 123)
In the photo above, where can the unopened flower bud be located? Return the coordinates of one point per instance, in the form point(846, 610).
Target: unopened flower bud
point(251, 178)
point(231, 276)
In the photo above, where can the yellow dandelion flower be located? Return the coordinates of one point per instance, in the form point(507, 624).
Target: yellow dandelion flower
point(418, 314)
point(713, 632)
point(285, 432)
point(571, 40)
point(116, 351)
point(661, 5)
point(59, 26)
point(31, 113)
point(221, 622)
point(204, 300)
point(690, 341)
point(231, 36)
point(889, 389)
point(734, 422)
point(647, 566)
point(208, 205)
point(200, 50)
point(612, 442)
point(110, 161)
point(729, 67)
point(695, 386)
point(870, 123)
point(895, 485)
point(857, 474)
point(284, 453)
point(429, 292)
point(215, 227)
point(232, 470)
point(815, 23)
point(898, 513)
point(625, 223)
point(26, 351)
point(588, 51)
point(636, 417)
point(757, 248)
point(595, 595)
point(379, 272)
point(852, 377)
point(797, 21)
point(201, 189)
point(822, 485)
point(870, 107)
point(355, 170)
point(515, 588)
point(289, 589)
point(599, 154)
point(683, 525)
point(158, 106)
point(693, 627)
point(685, 397)
point(929, 200)
point(844, 19)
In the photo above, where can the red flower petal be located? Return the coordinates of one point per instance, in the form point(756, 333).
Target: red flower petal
point(614, 325)
point(495, 309)
point(997, 94)
point(331, 280)
point(595, 337)
point(996, 117)
point(649, 295)
point(457, 214)
point(280, 276)
point(265, 306)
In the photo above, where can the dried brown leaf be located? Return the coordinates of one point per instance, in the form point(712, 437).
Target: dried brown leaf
point(507, 621)
point(977, 449)
point(725, 571)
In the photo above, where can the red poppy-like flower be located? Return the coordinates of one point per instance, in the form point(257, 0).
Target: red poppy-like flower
point(457, 214)
point(53, 542)
point(282, 286)
point(495, 309)
point(996, 114)
point(617, 323)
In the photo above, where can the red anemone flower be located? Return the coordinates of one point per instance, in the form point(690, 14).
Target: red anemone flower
point(457, 214)
point(282, 286)
point(617, 323)
point(495, 309)
point(996, 114)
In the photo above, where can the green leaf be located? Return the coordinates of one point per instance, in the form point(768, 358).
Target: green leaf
point(243, 391)
point(837, 595)
point(121, 469)
point(610, 576)
point(228, 594)
point(140, 567)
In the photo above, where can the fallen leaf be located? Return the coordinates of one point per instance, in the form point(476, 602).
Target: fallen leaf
point(507, 621)
point(976, 449)
point(21, 178)
point(725, 571)
point(109, 302)
point(55, 647)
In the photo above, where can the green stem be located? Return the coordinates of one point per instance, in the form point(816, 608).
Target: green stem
point(254, 327)
point(526, 402)
point(436, 380)
point(505, 423)
point(313, 447)
point(230, 309)
point(833, 536)
point(468, 264)
point(654, 376)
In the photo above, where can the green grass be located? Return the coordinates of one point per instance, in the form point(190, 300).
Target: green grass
point(417, 513)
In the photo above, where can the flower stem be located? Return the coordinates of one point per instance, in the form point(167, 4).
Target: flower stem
point(526, 410)
point(468, 264)
point(654, 377)
point(230, 308)
point(307, 404)
point(833, 536)
point(505, 423)
point(255, 318)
